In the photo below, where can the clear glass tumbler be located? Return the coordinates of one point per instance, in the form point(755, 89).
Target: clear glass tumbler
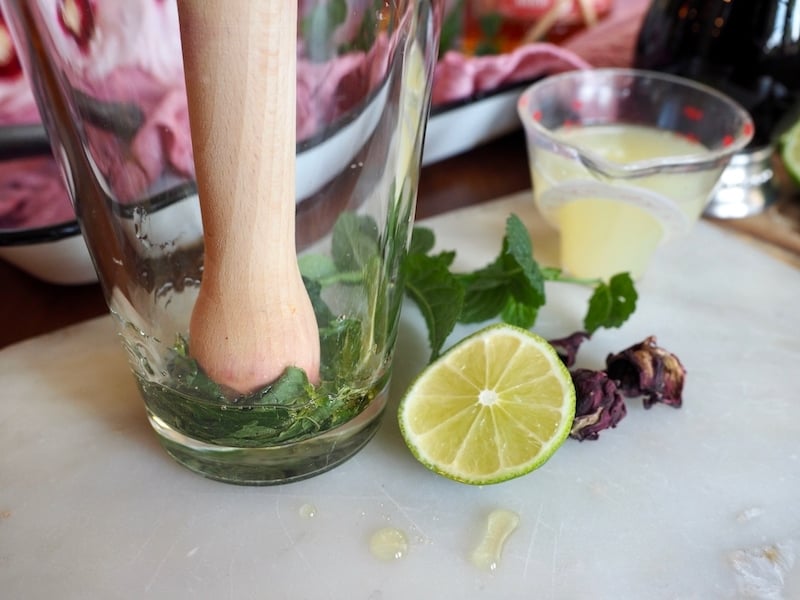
point(109, 81)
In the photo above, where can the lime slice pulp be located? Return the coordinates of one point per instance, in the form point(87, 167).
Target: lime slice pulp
point(495, 406)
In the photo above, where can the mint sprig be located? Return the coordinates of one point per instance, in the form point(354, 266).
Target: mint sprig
point(433, 287)
point(511, 287)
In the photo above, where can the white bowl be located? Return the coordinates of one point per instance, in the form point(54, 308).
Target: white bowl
point(55, 253)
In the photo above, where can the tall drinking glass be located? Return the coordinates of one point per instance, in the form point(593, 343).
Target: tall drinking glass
point(109, 81)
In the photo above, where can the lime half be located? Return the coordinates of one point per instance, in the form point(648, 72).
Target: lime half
point(494, 407)
point(790, 152)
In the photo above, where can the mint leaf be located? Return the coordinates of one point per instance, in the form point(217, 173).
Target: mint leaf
point(518, 244)
point(316, 266)
point(519, 313)
point(611, 303)
point(512, 286)
point(291, 389)
point(354, 242)
point(340, 347)
point(485, 292)
point(437, 293)
point(422, 241)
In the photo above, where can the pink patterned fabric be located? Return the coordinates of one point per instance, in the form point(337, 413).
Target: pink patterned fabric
point(31, 194)
point(459, 77)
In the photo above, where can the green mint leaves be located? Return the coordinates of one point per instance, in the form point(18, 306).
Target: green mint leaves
point(511, 287)
point(433, 287)
point(611, 304)
point(291, 408)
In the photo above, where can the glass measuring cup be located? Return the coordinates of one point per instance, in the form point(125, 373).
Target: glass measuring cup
point(622, 160)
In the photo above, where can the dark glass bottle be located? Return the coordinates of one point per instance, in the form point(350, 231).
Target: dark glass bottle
point(749, 49)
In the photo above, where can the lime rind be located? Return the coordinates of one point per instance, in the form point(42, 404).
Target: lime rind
point(789, 148)
point(510, 411)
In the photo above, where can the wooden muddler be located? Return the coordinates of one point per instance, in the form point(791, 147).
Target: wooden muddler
point(253, 317)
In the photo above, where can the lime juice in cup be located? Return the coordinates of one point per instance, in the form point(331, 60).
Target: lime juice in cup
point(622, 160)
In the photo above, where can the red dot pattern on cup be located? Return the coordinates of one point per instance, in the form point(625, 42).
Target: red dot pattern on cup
point(692, 113)
point(727, 140)
point(537, 115)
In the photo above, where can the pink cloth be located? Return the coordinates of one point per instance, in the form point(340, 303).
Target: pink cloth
point(458, 77)
point(612, 42)
point(328, 90)
point(609, 43)
point(31, 194)
point(161, 144)
point(31, 190)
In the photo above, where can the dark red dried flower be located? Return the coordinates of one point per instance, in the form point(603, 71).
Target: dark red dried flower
point(77, 19)
point(599, 404)
point(567, 348)
point(647, 370)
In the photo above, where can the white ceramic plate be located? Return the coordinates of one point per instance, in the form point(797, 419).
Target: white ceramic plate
point(457, 128)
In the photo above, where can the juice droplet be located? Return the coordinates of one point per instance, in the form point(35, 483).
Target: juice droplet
point(388, 544)
point(308, 511)
point(500, 524)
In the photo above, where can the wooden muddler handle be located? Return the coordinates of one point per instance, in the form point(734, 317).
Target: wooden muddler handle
point(253, 317)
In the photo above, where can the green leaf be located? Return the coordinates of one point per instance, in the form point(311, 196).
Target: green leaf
point(520, 314)
point(490, 24)
point(316, 266)
point(518, 245)
point(340, 347)
point(485, 295)
point(451, 27)
point(512, 286)
point(291, 389)
point(322, 313)
point(354, 242)
point(611, 303)
point(437, 293)
point(422, 241)
point(289, 409)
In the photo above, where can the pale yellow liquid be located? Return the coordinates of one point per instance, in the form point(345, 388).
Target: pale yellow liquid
point(601, 235)
point(388, 544)
point(500, 524)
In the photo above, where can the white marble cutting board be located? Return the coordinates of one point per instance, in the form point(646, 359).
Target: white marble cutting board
point(669, 505)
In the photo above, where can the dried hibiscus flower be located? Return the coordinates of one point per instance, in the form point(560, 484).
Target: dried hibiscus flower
point(647, 370)
point(567, 347)
point(599, 404)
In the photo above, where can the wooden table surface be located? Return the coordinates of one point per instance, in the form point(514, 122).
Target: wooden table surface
point(30, 307)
